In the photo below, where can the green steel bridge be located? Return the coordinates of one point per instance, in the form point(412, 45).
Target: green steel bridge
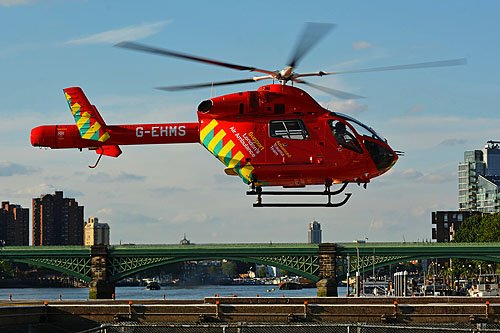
point(302, 259)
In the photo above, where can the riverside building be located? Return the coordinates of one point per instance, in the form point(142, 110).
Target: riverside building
point(14, 225)
point(57, 220)
point(96, 233)
point(446, 224)
point(314, 233)
point(479, 179)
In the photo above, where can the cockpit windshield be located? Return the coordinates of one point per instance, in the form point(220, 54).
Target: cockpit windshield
point(360, 128)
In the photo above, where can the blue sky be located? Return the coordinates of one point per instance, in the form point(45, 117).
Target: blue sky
point(155, 194)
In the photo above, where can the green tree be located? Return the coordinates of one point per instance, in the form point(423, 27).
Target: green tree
point(477, 228)
point(489, 230)
point(284, 272)
point(230, 268)
point(469, 230)
point(212, 270)
point(7, 269)
point(262, 272)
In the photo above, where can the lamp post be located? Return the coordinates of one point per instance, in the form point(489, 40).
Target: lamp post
point(358, 284)
point(348, 276)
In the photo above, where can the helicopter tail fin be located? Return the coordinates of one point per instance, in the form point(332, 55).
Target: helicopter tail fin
point(87, 118)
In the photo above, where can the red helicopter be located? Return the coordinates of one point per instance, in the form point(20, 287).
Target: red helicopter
point(275, 136)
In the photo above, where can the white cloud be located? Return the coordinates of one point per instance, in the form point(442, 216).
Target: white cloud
point(41, 189)
point(103, 177)
point(12, 3)
point(11, 169)
point(453, 142)
point(349, 106)
point(427, 120)
point(134, 32)
point(105, 211)
point(361, 45)
point(419, 176)
point(38, 189)
point(416, 109)
point(189, 218)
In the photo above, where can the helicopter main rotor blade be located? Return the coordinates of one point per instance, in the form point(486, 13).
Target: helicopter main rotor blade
point(222, 83)
point(442, 63)
point(311, 35)
point(156, 50)
point(337, 93)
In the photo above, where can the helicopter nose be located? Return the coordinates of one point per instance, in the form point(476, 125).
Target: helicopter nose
point(383, 157)
point(42, 136)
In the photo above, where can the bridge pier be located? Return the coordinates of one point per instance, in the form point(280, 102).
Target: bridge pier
point(99, 287)
point(327, 286)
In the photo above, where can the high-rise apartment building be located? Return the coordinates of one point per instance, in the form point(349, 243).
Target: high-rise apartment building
point(57, 220)
point(314, 234)
point(96, 233)
point(479, 179)
point(14, 225)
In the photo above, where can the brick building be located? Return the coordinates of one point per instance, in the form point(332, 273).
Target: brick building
point(14, 225)
point(57, 220)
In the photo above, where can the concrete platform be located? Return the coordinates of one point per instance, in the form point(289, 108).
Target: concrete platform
point(68, 314)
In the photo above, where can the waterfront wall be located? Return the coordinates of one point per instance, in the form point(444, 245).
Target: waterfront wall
point(89, 314)
point(48, 282)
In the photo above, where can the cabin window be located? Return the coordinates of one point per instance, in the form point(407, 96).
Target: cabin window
point(294, 129)
point(344, 136)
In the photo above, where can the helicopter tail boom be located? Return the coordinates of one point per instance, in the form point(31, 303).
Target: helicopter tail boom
point(92, 132)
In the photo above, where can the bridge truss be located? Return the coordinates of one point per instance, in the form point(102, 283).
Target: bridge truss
point(301, 259)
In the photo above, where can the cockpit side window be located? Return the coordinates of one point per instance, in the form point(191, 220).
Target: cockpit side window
point(288, 129)
point(361, 128)
point(344, 137)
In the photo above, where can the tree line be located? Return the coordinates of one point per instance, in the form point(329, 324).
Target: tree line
point(477, 229)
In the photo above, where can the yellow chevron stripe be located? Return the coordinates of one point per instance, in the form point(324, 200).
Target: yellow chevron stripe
point(236, 158)
point(91, 131)
point(204, 132)
point(216, 139)
point(74, 108)
point(85, 117)
point(246, 170)
point(104, 137)
point(225, 150)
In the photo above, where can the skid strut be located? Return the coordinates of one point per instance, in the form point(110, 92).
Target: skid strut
point(257, 190)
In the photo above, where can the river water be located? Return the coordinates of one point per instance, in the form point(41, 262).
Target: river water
point(131, 293)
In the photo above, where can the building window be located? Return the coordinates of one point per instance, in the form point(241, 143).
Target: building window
point(445, 217)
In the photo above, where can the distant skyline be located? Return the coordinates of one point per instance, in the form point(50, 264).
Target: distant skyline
point(155, 194)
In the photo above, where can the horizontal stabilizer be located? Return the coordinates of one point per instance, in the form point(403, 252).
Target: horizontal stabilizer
point(109, 150)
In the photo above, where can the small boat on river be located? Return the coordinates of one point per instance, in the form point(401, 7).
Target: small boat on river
point(153, 286)
point(289, 285)
point(487, 286)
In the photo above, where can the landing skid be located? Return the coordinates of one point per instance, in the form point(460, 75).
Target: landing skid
point(257, 190)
